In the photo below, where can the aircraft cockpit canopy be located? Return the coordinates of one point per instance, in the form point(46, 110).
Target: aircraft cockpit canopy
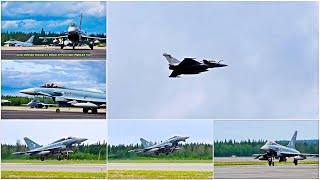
point(52, 85)
point(271, 143)
point(62, 139)
point(73, 24)
point(12, 40)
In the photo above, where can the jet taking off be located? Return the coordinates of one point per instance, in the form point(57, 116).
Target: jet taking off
point(88, 100)
point(75, 35)
point(190, 65)
point(277, 151)
point(168, 146)
point(55, 149)
point(13, 42)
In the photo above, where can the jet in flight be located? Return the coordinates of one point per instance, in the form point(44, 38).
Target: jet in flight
point(13, 42)
point(61, 147)
point(190, 65)
point(75, 36)
point(276, 151)
point(168, 146)
point(64, 96)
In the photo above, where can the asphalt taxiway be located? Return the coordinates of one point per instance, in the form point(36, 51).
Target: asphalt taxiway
point(55, 167)
point(161, 166)
point(43, 114)
point(266, 172)
point(14, 53)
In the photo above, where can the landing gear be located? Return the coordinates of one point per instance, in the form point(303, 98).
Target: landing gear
point(85, 110)
point(57, 110)
point(59, 158)
point(295, 162)
point(94, 111)
point(62, 45)
point(167, 153)
point(73, 45)
point(270, 162)
point(46, 107)
point(42, 158)
point(157, 153)
point(91, 45)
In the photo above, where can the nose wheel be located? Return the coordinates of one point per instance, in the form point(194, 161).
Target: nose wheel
point(270, 162)
point(295, 162)
point(42, 158)
point(58, 110)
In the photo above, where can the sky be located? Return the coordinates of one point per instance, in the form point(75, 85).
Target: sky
point(271, 49)
point(22, 74)
point(130, 131)
point(47, 131)
point(265, 130)
point(53, 16)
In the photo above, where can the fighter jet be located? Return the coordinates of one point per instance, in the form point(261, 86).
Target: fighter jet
point(3, 101)
point(13, 42)
point(55, 149)
point(74, 35)
point(36, 103)
point(277, 151)
point(64, 96)
point(168, 146)
point(190, 65)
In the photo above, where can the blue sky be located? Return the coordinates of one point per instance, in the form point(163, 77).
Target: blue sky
point(53, 16)
point(22, 74)
point(45, 132)
point(271, 49)
point(130, 131)
point(265, 129)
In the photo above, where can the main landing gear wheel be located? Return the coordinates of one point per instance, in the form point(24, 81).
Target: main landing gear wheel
point(73, 45)
point(57, 110)
point(94, 111)
point(61, 45)
point(85, 110)
point(42, 158)
point(91, 46)
point(295, 162)
point(59, 158)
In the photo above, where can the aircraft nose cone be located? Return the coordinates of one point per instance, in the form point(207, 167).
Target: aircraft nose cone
point(265, 148)
point(29, 91)
point(82, 139)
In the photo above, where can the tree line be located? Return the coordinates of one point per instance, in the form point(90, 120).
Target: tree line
point(95, 151)
point(22, 36)
point(228, 148)
point(20, 100)
point(192, 151)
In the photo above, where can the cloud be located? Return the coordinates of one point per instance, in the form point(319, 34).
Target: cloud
point(9, 24)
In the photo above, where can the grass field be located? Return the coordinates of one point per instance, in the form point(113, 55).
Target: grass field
point(51, 175)
point(54, 161)
point(260, 163)
point(147, 174)
point(159, 161)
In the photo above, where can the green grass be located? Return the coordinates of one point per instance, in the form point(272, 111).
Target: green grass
point(51, 175)
point(148, 174)
point(260, 163)
point(159, 161)
point(54, 161)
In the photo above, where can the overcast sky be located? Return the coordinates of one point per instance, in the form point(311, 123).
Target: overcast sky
point(22, 74)
point(271, 49)
point(53, 16)
point(47, 131)
point(130, 131)
point(265, 130)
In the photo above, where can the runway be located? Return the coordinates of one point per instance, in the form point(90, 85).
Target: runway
point(161, 166)
point(43, 114)
point(267, 172)
point(55, 167)
point(18, 53)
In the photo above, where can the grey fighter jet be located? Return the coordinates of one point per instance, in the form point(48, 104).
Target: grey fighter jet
point(56, 149)
point(13, 42)
point(74, 36)
point(276, 151)
point(68, 96)
point(168, 146)
point(190, 65)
